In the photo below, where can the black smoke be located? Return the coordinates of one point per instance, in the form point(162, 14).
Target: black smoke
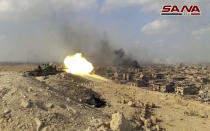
point(96, 47)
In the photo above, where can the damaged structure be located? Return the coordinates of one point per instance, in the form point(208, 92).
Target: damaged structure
point(180, 79)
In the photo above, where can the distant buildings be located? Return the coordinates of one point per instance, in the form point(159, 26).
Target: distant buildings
point(181, 79)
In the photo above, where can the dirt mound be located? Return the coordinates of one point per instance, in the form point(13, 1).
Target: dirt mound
point(34, 105)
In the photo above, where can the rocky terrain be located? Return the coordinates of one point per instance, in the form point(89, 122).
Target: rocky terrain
point(59, 102)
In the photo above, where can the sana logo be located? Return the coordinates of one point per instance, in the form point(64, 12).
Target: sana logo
point(184, 10)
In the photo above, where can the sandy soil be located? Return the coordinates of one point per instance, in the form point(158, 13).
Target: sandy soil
point(28, 104)
point(57, 103)
point(174, 112)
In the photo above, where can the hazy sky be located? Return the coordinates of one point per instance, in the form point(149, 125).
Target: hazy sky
point(44, 30)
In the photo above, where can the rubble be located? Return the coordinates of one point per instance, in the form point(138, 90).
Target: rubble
point(154, 119)
point(49, 105)
point(147, 123)
point(72, 109)
point(103, 128)
point(39, 124)
point(25, 103)
point(130, 103)
point(187, 90)
point(119, 123)
point(204, 94)
point(180, 79)
point(6, 111)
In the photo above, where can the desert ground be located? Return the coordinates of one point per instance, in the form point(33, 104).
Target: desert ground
point(57, 102)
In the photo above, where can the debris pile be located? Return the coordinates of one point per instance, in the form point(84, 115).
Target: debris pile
point(119, 123)
point(204, 94)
